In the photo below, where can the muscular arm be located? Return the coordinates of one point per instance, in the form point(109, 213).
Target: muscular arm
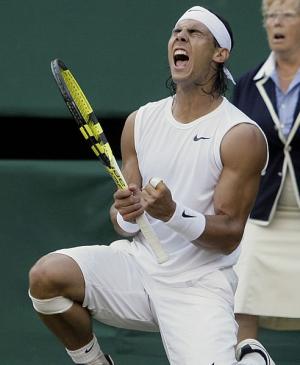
point(130, 168)
point(127, 202)
point(244, 154)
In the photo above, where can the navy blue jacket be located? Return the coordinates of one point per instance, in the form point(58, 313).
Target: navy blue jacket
point(256, 98)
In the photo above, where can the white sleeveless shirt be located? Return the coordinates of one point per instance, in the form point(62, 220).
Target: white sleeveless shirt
point(187, 158)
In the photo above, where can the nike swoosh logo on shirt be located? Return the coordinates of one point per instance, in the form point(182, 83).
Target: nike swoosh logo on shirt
point(196, 138)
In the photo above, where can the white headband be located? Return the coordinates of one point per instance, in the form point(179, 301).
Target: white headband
point(214, 25)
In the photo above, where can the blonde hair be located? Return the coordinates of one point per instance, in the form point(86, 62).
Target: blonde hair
point(267, 3)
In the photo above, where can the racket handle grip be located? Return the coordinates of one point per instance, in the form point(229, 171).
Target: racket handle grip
point(152, 239)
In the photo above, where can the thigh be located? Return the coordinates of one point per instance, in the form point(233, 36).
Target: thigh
point(197, 323)
point(114, 292)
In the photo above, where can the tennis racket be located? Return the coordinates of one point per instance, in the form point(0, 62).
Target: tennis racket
point(92, 131)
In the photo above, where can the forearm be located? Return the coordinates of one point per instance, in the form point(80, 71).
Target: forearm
point(221, 233)
point(215, 232)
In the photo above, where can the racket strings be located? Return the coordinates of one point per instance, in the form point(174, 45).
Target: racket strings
point(88, 122)
point(76, 93)
point(92, 130)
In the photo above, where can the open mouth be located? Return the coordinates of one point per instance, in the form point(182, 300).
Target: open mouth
point(181, 58)
point(278, 36)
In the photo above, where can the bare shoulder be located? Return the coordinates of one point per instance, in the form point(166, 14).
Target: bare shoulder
point(129, 158)
point(129, 123)
point(128, 130)
point(244, 145)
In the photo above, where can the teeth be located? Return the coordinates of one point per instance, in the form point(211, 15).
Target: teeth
point(179, 52)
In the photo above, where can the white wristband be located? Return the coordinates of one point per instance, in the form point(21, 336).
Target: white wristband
point(187, 222)
point(127, 226)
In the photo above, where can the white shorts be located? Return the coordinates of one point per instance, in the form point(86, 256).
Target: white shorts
point(195, 320)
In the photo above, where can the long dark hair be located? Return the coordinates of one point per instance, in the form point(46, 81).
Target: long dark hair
point(220, 85)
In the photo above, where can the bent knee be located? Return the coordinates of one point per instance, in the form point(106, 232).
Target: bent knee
point(55, 275)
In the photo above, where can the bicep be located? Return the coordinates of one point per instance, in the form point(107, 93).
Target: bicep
point(244, 154)
point(130, 168)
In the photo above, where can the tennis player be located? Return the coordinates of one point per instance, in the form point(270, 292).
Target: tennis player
point(209, 156)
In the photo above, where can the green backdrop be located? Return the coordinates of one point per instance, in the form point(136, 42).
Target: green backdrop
point(116, 49)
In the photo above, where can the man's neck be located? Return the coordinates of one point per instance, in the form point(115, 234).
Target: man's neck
point(188, 107)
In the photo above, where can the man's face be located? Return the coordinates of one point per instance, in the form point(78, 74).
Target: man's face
point(282, 23)
point(191, 50)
